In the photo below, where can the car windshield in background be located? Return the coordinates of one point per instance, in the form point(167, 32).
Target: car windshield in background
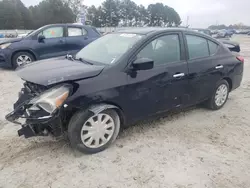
point(109, 48)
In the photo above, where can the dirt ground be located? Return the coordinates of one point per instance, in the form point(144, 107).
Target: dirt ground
point(197, 148)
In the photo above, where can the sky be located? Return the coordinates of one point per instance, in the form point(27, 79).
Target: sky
point(201, 13)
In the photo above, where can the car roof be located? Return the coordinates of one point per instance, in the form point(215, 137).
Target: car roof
point(201, 29)
point(148, 30)
point(70, 24)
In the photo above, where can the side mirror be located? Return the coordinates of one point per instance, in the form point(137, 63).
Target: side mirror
point(143, 64)
point(41, 38)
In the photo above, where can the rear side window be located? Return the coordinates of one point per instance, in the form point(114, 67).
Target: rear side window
point(197, 47)
point(75, 31)
point(95, 30)
point(212, 47)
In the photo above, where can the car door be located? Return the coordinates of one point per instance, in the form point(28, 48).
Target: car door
point(204, 68)
point(165, 86)
point(53, 45)
point(77, 38)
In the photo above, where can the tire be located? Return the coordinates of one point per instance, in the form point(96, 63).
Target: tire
point(16, 62)
point(211, 103)
point(81, 120)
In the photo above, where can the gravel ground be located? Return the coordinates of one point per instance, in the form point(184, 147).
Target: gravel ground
point(197, 148)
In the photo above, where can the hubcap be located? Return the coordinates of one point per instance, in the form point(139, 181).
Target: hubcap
point(97, 130)
point(221, 95)
point(23, 59)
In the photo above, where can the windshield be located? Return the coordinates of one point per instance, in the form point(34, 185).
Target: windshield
point(109, 48)
point(34, 31)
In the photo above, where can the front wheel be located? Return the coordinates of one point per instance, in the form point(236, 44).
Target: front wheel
point(220, 95)
point(93, 133)
point(22, 58)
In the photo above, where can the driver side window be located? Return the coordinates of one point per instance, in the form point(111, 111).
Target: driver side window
point(165, 49)
point(52, 32)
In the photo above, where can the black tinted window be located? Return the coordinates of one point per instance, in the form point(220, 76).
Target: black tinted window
point(197, 47)
point(162, 50)
point(212, 47)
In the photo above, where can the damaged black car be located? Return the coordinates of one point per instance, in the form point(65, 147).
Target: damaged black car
point(121, 78)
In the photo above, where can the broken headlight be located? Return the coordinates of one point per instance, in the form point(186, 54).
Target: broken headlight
point(51, 99)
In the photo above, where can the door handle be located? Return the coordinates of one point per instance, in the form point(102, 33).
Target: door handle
point(61, 41)
point(219, 67)
point(179, 75)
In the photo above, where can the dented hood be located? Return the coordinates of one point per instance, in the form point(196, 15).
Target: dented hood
point(52, 71)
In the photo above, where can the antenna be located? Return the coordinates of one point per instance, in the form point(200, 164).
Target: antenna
point(187, 21)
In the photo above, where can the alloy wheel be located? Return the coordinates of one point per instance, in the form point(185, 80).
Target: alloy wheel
point(23, 59)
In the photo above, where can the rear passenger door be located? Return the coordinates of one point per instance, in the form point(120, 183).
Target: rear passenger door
point(204, 70)
point(77, 38)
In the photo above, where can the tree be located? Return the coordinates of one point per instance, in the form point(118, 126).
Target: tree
point(95, 15)
point(143, 16)
point(161, 15)
point(128, 13)
point(76, 6)
point(51, 12)
point(13, 14)
point(110, 9)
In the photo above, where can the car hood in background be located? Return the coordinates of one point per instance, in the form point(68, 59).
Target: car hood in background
point(232, 45)
point(10, 40)
point(57, 70)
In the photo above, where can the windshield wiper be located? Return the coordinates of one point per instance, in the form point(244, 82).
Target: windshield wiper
point(84, 61)
point(69, 57)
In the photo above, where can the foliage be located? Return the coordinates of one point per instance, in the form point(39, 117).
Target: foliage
point(76, 7)
point(128, 13)
point(14, 15)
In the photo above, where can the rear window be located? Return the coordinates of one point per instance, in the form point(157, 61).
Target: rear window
point(95, 30)
point(197, 47)
point(212, 47)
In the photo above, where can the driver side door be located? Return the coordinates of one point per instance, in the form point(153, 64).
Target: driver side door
point(54, 44)
point(166, 85)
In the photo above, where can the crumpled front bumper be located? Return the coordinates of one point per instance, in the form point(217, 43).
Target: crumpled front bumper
point(30, 124)
point(34, 123)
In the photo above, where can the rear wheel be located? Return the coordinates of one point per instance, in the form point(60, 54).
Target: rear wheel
point(93, 133)
point(220, 95)
point(22, 58)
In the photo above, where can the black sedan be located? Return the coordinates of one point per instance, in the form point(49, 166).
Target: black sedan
point(121, 78)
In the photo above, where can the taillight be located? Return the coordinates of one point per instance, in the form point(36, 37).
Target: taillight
point(240, 58)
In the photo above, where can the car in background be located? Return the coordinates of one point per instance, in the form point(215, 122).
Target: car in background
point(231, 45)
point(223, 34)
point(204, 31)
point(107, 86)
point(243, 32)
point(23, 35)
point(46, 42)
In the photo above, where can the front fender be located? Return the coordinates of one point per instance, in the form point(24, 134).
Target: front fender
point(97, 108)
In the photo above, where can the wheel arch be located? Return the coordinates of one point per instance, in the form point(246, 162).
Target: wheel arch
point(23, 50)
point(98, 107)
point(230, 83)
